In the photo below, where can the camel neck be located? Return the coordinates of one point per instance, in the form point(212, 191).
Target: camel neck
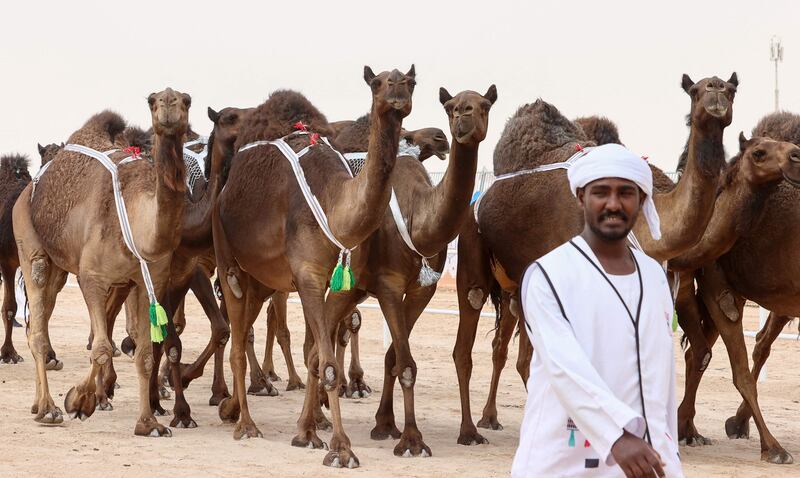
point(196, 231)
point(438, 219)
point(170, 188)
point(686, 210)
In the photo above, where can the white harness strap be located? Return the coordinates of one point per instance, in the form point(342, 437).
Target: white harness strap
point(311, 200)
point(427, 276)
point(122, 212)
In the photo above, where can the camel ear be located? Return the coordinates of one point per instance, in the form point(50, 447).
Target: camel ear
point(213, 115)
point(62, 144)
point(444, 95)
point(742, 141)
point(491, 94)
point(151, 99)
point(368, 75)
point(187, 100)
point(686, 82)
point(734, 80)
point(412, 73)
point(41, 149)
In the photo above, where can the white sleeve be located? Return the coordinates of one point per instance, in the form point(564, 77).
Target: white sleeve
point(599, 415)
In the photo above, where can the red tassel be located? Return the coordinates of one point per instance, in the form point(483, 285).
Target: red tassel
point(578, 147)
point(300, 126)
point(586, 444)
point(645, 157)
point(314, 138)
point(134, 151)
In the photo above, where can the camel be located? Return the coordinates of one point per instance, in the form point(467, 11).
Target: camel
point(48, 152)
point(492, 258)
point(742, 246)
point(266, 238)
point(69, 225)
point(599, 130)
point(431, 142)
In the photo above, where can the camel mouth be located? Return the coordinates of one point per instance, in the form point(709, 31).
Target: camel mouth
point(717, 111)
point(794, 182)
point(441, 155)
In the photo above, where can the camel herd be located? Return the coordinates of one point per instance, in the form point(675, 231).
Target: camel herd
point(287, 201)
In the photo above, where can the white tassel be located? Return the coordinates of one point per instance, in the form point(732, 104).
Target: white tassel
point(428, 276)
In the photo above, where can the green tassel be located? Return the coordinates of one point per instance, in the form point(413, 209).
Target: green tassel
point(347, 278)
point(337, 278)
point(572, 438)
point(158, 323)
point(674, 321)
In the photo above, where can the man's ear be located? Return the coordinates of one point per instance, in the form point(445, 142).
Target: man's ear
point(642, 198)
point(579, 196)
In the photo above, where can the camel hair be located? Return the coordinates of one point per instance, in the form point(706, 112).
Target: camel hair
point(733, 263)
point(266, 238)
point(69, 225)
point(491, 256)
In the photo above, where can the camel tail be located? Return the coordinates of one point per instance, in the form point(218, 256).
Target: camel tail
point(14, 163)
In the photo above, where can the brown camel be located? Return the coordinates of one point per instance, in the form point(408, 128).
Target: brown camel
point(266, 237)
point(599, 130)
point(492, 256)
point(431, 142)
point(744, 246)
point(69, 225)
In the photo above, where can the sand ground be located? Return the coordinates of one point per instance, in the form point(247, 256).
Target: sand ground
point(104, 445)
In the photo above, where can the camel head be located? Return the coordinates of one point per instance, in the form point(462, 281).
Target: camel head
point(712, 99)
point(764, 160)
point(468, 113)
point(49, 152)
point(170, 112)
point(431, 142)
point(391, 90)
point(228, 123)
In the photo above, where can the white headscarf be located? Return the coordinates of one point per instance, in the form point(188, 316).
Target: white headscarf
point(615, 161)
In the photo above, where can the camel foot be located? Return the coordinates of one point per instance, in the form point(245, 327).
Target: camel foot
point(777, 456)
point(54, 364)
point(79, 404)
point(357, 389)
point(309, 440)
point(128, 347)
point(218, 397)
point(228, 410)
point(158, 410)
point(183, 422)
point(262, 388)
point(735, 429)
point(295, 384)
point(695, 439)
point(163, 393)
point(343, 458)
point(411, 445)
point(9, 355)
point(149, 427)
point(50, 415)
point(246, 430)
point(470, 438)
point(272, 376)
point(385, 431)
point(104, 405)
point(490, 423)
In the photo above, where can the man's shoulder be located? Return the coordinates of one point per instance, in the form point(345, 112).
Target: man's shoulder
point(647, 263)
point(557, 254)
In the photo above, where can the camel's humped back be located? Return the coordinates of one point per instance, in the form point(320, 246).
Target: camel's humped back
point(535, 135)
point(100, 132)
point(782, 126)
point(277, 116)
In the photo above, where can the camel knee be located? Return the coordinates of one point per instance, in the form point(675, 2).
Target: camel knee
point(233, 282)
point(355, 321)
point(344, 337)
point(101, 351)
point(174, 354)
point(283, 337)
point(408, 376)
point(476, 298)
point(39, 268)
point(148, 362)
point(328, 375)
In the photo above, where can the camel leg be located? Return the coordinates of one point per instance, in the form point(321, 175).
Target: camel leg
point(8, 353)
point(173, 350)
point(278, 312)
point(219, 389)
point(138, 311)
point(107, 376)
point(502, 336)
point(356, 388)
point(268, 366)
point(732, 334)
point(164, 372)
point(242, 313)
point(701, 335)
point(764, 340)
point(260, 384)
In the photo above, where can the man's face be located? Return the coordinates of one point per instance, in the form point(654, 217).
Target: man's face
point(611, 206)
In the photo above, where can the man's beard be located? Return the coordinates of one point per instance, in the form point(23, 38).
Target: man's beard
point(610, 235)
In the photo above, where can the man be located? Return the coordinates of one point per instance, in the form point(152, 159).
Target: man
point(601, 392)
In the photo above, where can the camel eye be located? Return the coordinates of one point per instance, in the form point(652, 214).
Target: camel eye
point(759, 154)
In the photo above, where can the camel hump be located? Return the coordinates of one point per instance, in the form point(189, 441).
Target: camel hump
point(534, 135)
point(107, 122)
point(277, 117)
point(136, 136)
point(14, 163)
point(781, 126)
point(599, 129)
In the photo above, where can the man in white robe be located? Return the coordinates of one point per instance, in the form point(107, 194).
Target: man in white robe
point(601, 392)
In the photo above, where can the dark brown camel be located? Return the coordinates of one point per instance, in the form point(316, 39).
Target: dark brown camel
point(431, 142)
point(599, 130)
point(492, 256)
point(69, 225)
point(267, 239)
point(744, 247)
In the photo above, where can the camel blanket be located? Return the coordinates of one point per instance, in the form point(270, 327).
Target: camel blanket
point(602, 363)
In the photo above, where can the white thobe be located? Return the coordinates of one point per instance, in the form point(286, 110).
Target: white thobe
point(584, 384)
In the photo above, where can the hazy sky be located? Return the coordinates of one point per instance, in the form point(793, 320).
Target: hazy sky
point(61, 62)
